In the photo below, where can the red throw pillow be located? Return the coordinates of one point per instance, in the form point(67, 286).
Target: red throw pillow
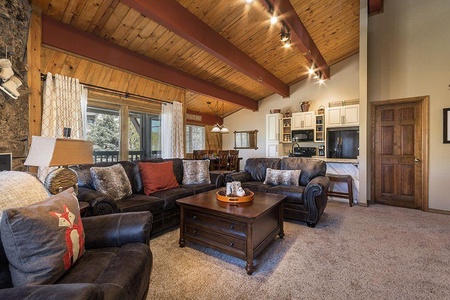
point(157, 176)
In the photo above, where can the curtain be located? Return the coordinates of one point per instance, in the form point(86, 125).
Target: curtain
point(172, 131)
point(62, 107)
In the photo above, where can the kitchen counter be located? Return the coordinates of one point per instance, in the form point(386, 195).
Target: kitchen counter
point(353, 161)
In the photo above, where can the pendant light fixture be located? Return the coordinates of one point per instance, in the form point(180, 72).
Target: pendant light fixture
point(216, 108)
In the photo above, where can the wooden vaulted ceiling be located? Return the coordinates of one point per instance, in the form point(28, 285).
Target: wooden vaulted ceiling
point(333, 26)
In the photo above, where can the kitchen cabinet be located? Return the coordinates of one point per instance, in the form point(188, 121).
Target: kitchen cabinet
point(319, 133)
point(303, 120)
point(273, 122)
point(286, 130)
point(342, 116)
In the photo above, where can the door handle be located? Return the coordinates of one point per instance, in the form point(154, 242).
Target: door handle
point(416, 160)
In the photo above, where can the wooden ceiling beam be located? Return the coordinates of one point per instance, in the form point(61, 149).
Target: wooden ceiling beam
point(65, 37)
point(175, 17)
point(299, 35)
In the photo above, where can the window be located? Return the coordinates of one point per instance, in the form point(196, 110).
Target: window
point(104, 131)
point(195, 138)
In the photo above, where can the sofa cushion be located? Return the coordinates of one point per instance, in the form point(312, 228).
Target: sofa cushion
point(43, 240)
point(196, 172)
point(282, 177)
point(157, 176)
point(171, 195)
point(294, 194)
point(310, 167)
point(140, 202)
point(255, 186)
point(112, 181)
point(200, 188)
point(257, 167)
point(20, 189)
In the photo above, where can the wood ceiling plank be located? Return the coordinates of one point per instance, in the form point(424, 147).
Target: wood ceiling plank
point(124, 27)
point(93, 74)
point(141, 38)
point(102, 16)
point(134, 31)
point(114, 21)
point(56, 8)
point(174, 16)
point(115, 78)
point(82, 69)
point(70, 66)
point(87, 14)
point(46, 59)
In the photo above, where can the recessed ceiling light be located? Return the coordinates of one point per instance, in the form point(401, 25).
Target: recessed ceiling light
point(249, 1)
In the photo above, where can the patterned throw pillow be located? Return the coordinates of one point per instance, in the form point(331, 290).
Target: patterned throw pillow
point(112, 181)
point(20, 189)
point(196, 171)
point(157, 176)
point(43, 240)
point(282, 177)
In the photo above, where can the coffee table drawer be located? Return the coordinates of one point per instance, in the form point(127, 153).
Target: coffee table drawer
point(231, 226)
point(215, 238)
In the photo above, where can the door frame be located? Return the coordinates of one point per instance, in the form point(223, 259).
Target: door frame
point(425, 101)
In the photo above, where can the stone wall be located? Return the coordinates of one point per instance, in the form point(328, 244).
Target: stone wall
point(14, 24)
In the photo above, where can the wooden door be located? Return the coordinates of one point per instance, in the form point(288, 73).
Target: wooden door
point(398, 154)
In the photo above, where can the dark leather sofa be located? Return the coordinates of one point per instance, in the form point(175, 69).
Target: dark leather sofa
point(305, 202)
point(116, 265)
point(161, 204)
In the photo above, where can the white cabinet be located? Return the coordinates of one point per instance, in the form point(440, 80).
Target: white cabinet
point(303, 120)
point(272, 134)
point(319, 133)
point(341, 116)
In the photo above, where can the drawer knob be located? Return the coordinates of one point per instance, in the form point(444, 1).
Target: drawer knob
point(194, 217)
point(195, 231)
point(231, 226)
point(231, 244)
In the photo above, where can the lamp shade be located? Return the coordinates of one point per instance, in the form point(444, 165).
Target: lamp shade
point(50, 152)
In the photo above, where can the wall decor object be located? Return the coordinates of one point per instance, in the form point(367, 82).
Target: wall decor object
point(446, 125)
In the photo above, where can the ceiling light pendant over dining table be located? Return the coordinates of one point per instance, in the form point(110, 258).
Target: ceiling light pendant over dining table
point(216, 108)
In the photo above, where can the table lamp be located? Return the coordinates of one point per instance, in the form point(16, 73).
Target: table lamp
point(61, 153)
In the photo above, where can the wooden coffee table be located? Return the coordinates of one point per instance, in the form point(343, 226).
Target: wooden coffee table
point(241, 230)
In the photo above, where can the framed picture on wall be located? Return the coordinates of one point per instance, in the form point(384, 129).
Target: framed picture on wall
point(446, 125)
point(5, 161)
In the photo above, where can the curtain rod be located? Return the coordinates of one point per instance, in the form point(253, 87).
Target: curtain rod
point(120, 93)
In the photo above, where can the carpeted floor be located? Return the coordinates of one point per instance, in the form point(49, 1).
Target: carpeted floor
point(376, 252)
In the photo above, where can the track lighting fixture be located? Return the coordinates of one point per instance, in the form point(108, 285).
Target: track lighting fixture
point(287, 44)
point(249, 1)
point(273, 16)
point(285, 34)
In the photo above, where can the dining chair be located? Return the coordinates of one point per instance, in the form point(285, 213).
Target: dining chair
point(233, 160)
point(199, 154)
point(223, 159)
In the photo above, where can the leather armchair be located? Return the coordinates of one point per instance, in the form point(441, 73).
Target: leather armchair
point(116, 265)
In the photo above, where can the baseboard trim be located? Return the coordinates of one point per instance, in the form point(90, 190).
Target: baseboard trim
point(439, 211)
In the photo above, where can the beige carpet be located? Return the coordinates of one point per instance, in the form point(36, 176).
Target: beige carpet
point(376, 252)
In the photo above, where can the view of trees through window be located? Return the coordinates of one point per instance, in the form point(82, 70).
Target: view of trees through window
point(104, 131)
point(195, 138)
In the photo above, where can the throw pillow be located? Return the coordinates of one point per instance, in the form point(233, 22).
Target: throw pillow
point(196, 171)
point(282, 177)
point(157, 176)
point(43, 240)
point(20, 189)
point(112, 181)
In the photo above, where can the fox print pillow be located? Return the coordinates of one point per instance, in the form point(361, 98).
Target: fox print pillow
point(43, 240)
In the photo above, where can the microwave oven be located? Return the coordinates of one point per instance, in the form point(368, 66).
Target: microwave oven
point(303, 135)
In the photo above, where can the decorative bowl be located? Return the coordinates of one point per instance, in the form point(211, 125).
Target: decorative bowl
point(235, 199)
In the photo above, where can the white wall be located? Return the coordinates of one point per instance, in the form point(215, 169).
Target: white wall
point(409, 55)
point(344, 85)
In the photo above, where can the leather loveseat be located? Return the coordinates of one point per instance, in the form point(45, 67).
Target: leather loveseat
point(305, 202)
point(161, 204)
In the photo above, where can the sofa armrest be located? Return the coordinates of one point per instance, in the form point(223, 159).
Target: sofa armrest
point(54, 291)
point(217, 179)
point(99, 203)
point(117, 230)
point(242, 176)
point(315, 198)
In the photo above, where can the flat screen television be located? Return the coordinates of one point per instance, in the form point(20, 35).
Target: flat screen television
point(343, 142)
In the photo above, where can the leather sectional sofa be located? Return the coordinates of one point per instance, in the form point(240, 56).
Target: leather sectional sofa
point(161, 204)
point(305, 202)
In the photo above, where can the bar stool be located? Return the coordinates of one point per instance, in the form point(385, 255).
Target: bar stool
point(342, 178)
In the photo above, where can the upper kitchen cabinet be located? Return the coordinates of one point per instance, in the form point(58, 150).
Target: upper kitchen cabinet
point(342, 116)
point(303, 120)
